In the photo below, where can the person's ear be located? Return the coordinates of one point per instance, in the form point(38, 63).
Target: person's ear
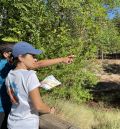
point(20, 58)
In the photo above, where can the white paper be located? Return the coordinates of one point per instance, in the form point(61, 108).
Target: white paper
point(49, 82)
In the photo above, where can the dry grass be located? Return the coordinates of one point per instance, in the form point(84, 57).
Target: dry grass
point(87, 117)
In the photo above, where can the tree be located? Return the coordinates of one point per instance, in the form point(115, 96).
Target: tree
point(62, 27)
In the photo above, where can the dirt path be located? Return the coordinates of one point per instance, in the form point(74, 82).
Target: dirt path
point(110, 71)
point(108, 87)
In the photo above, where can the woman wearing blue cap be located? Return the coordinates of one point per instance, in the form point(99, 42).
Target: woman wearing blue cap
point(23, 88)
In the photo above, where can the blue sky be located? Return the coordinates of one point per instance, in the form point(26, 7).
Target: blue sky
point(111, 14)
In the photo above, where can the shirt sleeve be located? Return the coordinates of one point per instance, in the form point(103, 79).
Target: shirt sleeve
point(7, 82)
point(32, 82)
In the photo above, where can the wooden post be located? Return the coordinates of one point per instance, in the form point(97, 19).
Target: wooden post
point(49, 121)
point(102, 55)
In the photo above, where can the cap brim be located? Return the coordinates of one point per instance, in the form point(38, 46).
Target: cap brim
point(36, 52)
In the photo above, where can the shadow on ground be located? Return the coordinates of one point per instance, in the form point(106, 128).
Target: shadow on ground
point(107, 92)
point(112, 68)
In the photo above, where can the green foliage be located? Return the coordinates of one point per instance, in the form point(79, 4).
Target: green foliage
point(60, 28)
point(116, 21)
point(76, 81)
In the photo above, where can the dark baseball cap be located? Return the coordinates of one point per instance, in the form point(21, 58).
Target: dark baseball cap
point(6, 48)
point(22, 48)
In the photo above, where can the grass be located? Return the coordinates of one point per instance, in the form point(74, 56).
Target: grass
point(86, 117)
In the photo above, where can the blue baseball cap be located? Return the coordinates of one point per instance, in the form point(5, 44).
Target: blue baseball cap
point(22, 48)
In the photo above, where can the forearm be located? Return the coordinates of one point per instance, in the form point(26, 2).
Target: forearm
point(37, 102)
point(48, 62)
point(44, 108)
point(45, 63)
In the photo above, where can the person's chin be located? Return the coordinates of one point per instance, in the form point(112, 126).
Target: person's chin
point(31, 68)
